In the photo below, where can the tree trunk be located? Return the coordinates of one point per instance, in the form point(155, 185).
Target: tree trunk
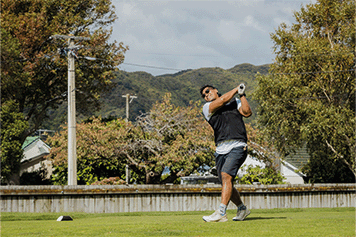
point(14, 179)
point(152, 177)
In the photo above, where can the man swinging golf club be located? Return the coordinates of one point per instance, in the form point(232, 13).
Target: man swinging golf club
point(225, 115)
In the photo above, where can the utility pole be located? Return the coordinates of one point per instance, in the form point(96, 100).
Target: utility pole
point(128, 101)
point(72, 143)
point(128, 176)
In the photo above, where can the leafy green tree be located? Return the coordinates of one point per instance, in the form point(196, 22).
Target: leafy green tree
point(34, 65)
point(262, 149)
point(13, 125)
point(265, 176)
point(98, 151)
point(322, 161)
point(309, 94)
point(174, 137)
point(37, 177)
point(168, 136)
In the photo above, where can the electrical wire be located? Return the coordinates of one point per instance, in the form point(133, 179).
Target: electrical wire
point(147, 66)
point(176, 69)
point(315, 72)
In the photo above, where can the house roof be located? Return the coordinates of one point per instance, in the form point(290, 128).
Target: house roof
point(34, 148)
point(299, 158)
point(29, 140)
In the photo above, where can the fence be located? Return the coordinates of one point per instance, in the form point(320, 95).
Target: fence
point(146, 198)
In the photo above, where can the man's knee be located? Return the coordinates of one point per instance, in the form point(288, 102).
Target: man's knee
point(226, 177)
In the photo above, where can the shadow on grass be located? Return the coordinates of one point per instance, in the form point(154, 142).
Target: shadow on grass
point(263, 218)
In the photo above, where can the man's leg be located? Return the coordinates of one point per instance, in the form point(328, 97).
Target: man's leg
point(235, 197)
point(227, 188)
point(228, 191)
point(220, 214)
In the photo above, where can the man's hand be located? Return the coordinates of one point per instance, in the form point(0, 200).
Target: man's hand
point(245, 109)
point(241, 89)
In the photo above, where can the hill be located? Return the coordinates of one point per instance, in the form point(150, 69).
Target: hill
point(184, 87)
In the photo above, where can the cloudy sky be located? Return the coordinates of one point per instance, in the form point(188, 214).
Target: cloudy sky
point(169, 36)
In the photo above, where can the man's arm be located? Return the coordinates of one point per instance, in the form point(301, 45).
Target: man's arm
point(222, 100)
point(245, 109)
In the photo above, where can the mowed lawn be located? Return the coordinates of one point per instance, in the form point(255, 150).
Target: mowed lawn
point(274, 222)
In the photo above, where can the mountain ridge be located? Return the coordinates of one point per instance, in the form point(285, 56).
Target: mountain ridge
point(183, 85)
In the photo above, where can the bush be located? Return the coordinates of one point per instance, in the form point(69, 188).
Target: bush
point(262, 175)
point(37, 177)
point(110, 181)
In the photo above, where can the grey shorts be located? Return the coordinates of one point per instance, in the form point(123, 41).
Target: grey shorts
point(231, 162)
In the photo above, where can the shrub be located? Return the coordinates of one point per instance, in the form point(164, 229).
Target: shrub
point(262, 175)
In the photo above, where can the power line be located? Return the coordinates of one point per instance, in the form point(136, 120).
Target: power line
point(63, 95)
point(291, 73)
point(197, 55)
point(132, 64)
point(147, 66)
point(176, 69)
point(304, 73)
point(176, 54)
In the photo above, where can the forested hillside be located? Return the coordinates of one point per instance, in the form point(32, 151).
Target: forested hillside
point(184, 87)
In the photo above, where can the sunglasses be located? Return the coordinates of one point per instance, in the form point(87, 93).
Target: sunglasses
point(206, 93)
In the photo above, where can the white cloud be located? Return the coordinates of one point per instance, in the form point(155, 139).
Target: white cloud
point(250, 21)
point(277, 21)
point(194, 34)
point(127, 12)
point(229, 30)
point(246, 3)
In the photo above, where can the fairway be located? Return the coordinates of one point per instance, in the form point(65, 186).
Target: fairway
point(274, 222)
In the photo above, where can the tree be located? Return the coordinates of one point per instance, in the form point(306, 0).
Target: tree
point(167, 137)
point(98, 151)
point(263, 150)
point(172, 137)
point(34, 65)
point(264, 176)
point(13, 125)
point(309, 94)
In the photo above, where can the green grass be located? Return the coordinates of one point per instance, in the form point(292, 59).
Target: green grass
point(274, 222)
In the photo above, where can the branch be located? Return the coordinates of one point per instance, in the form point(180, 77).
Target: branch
point(133, 161)
point(341, 157)
point(330, 40)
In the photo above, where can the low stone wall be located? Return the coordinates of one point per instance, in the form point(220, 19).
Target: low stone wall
point(146, 198)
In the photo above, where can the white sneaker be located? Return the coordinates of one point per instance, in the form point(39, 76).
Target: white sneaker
point(215, 217)
point(242, 212)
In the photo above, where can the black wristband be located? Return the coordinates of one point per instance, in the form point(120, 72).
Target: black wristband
point(243, 95)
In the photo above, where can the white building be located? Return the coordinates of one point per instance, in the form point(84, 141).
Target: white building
point(287, 170)
point(34, 150)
